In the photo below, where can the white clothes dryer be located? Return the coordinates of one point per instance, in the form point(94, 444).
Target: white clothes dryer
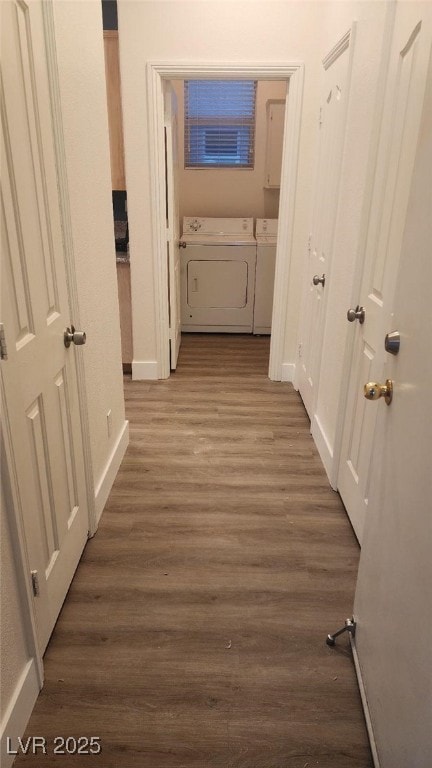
point(266, 238)
point(218, 261)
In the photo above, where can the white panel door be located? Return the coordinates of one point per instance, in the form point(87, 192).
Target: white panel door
point(332, 131)
point(38, 378)
point(173, 223)
point(399, 133)
point(393, 603)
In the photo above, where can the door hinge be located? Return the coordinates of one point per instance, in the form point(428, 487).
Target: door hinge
point(35, 583)
point(299, 350)
point(3, 347)
point(320, 121)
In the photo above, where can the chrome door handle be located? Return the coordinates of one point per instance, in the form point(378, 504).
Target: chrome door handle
point(356, 314)
point(317, 280)
point(373, 391)
point(71, 336)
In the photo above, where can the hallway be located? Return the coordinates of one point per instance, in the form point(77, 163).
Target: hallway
point(193, 635)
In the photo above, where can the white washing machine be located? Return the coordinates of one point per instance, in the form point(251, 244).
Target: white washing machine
point(218, 260)
point(266, 239)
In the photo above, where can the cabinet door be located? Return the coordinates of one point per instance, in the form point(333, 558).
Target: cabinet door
point(115, 122)
point(275, 129)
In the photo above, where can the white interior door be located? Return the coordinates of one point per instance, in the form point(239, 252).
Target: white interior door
point(334, 99)
point(38, 377)
point(401, 118)
point(393, 603)
point(172, 197)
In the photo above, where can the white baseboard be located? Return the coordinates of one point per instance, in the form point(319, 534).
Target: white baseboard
point(324, 448)
point(288, 372)
point(17, 714)
point(109, 473)
point(144, 370)
point(365, 703)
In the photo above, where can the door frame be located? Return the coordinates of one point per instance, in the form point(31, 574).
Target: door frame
point(12, 491)
point(175, 70)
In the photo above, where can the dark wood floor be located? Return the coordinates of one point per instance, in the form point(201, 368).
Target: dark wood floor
point(193, 635)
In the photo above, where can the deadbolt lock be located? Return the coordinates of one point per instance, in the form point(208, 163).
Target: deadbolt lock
point(373, 391)
point(392, 342)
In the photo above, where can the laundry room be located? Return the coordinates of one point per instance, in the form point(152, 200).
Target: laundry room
point(224, 142)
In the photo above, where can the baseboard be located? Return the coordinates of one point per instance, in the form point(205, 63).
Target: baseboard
point(17, 714)
point(288, 372)
point(144, 369)
point(324, 448)
point(104, 486)
point(365, 703)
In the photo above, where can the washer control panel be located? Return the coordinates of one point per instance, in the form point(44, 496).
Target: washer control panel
point(216, 226)
point(266, 227)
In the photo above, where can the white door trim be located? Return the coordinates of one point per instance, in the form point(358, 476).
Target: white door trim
point(170, 70)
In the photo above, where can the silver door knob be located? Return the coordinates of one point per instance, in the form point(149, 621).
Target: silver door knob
point(317, 280)
point(71, 336)
point(356, 314)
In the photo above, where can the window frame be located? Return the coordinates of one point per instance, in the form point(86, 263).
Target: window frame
point(239, 124)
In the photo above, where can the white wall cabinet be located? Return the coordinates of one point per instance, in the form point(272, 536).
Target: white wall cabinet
point(275, 129)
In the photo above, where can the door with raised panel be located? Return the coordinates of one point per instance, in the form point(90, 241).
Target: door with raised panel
point(334, 99)
point(393, 603)
point(387, 213)
point(39, 387)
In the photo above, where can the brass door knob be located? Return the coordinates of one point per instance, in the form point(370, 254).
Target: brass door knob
point(373, 391)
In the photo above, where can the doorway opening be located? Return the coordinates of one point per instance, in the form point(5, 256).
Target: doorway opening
point(224, 142)
point(159, 75)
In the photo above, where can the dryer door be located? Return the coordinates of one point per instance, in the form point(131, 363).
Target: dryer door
point(218, 285)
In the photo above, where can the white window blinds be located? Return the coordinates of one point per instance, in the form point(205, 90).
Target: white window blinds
point(219, 123)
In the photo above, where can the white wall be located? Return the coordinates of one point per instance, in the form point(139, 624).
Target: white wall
point(230, 191)
point(209, 32)
point(80, 52)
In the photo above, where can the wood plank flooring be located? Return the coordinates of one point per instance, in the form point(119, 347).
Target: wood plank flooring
point(193, 635)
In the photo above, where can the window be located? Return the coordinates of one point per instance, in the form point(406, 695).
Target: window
point(219, 123)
